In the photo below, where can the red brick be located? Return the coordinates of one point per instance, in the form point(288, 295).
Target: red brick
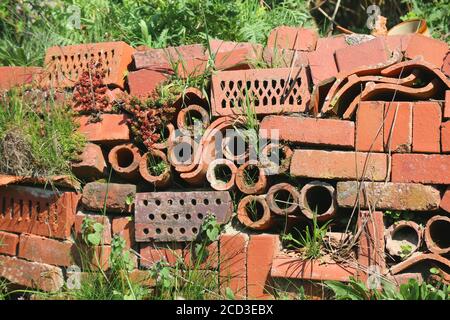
point(142, 277)
point(446, 65)
point(285, 37)
point(91, 164)
point(445, 201)
point(421, 168)
point(400, 138)
point(447, 104)
point(233, 263)
point(116, 56)
point(45, 250)
point(34, 210)
point(230, 55)
point(31, 274)
point(113, 196)
point(311, 131)
point(103, 220)
point(144, 81)
point(260, 252)
point(371, 242)
point(210, 261)
point(445, 137)
point(112, 129)
point(368, 53)
point(124, 227)
point(398, 42)
point(91, 257)
point(154, 252)
point(426, 127)
point(339, 165)
point(322, 65)
point(8, 243)
point(369, 126)
point(332, 43)
point(17, 76)
point(432, 50)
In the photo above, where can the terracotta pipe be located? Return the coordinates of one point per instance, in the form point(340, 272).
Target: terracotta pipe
point(124, 160)
point(181, 151)
point(320, 196)
point(283, 198)
point(231, 154)
point(164, 145)
point(254, 213)
point(187, 115)
point(251, 187)
point(437, 232)
point(221, 174)
point(403, 233)
point(284, 158)
point(161, 180)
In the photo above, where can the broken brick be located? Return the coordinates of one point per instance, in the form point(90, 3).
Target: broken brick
point(151, 253)
point(97, 218)
point(368, 53)
point(91, 164)
point(447, 104)
point(431, 50)
point(144, 82)
point(8, 243)
point(303, 39)
point(124, 227)
point(445, 201)
point(398, 126)
point(112, 196)
point(445, 137)
point(339, 165)
point(426, 127)
point(31, 274)
point(111, 129)
point(18, 76)
point(421, 168)
point(311, 131)
point(45, 250)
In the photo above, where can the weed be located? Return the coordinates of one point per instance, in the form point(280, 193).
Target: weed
point(156, 165)
point(92, 232)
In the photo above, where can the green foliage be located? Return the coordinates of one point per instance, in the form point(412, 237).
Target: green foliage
point(310, 243)
point(357, 290)
point(3, 290)
point(37, 137)
point(92, 232)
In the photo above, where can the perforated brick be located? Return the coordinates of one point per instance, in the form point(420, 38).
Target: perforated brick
point(271, 91)
point(33, 210)
point(177, 216)
point(66, 64)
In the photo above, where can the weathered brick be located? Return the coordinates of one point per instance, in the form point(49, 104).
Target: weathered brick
point(17, 76)
point(260, 252)
point(8, 243)
point(91, 164)
point(91, 257)
point(102, 219)
point(388, 196)
point(31, 274)
point(371, 244)
point(233, 263)
point(398, 126)
point(421, 168)
point(445, 201)
point(398, 42)
point(112, 129)
point(445, 137)
point(124, 227)
point(230, 55)
point(48, 213)
point(368, 53)
point(113, 196)
point(369, 126)
point(45, 250)
point(285, 37)
point(447, 104)
point(150, 253)
point(427, 118)
point(446, 65)
point(143, 82)
point(339, 165)
point(432, 50)
point(311, 131)
point(209, 260)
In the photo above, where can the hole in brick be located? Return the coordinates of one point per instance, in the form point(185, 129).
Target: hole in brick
point(3, 206)
point(222, 85)
point(158, 202)
point(200, 216)
point(224, 104)
point(169, 230)
point(205, 202)
point(218, 201)
point(194, 202)
point(282, 83)
point(145, 202)
point(283, 199)
point(21, 207)
point(146, 231)
point(12, 207)
point(194, 230)
point(248, 85)
point(439, 231)
point(255, 210)
point(265, 101)
point(163, 216)
point(30, 208)
point(182, 230)
point(274, 84)
point(151, 216)
point(251, 175)
point(158, 230)
point(170, 202)
point(222, 172)
point(176, 216)
point(231, 85)
point(265, 84)
point(274, 100)
point(182, 202)
point(256, 84)
point(406, 233)
point(188, 216)
point(319, 199)
point(239, 85)
point(125, 157)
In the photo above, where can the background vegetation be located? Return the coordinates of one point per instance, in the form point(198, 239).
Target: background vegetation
point(28, 27)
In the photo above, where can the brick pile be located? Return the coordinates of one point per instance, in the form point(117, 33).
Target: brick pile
point(363, 130)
